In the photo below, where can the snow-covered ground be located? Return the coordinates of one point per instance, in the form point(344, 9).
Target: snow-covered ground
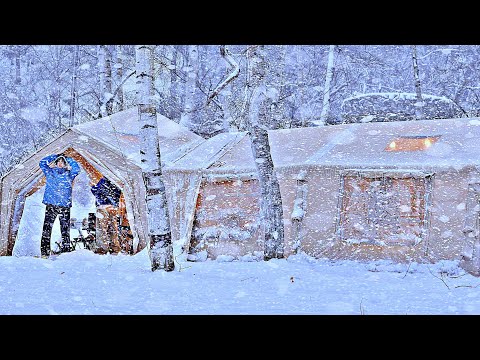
point(82, 282)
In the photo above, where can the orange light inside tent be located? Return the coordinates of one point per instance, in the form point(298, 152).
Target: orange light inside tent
point(412, 143)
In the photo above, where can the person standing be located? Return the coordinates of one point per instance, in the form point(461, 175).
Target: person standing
point(107, 198)
point(60, 171)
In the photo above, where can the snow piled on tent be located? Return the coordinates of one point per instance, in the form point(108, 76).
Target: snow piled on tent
point(121, 131)
point(364, 144)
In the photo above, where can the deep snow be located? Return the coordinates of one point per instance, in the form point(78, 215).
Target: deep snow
point(84, 283)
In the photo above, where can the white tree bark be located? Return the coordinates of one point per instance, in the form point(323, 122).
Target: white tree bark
point(271, 216)
point(176, 106)
point(228, 122)
point(418, 88)
point(119, 75)
point(159, 231)
point(54, 92)
point(190, 87)
point(327, 88)
point(108, 97)
point(73, 93)
point(105, 77)
point(101, 77)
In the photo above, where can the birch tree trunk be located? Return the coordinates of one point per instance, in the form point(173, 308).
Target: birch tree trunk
point(159, 231)
point(176, 106)
point(227, 115)
point(105, 77)
point(108, 82)
point(101, 78)
point(73, 95)
point(54, 92)
point(190, 87)
point(328, 80)
point(119, 75)
point(418, 89)
point(271, 212)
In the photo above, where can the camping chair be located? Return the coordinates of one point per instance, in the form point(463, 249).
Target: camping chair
point(87, 224)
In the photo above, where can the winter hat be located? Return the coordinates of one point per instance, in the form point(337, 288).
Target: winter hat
point(61, 157)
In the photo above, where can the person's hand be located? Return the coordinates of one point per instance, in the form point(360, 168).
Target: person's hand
point(51, 165)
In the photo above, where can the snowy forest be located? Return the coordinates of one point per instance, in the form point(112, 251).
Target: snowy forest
point(351, 171)
point(207, 88)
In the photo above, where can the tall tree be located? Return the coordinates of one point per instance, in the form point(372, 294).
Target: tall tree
point(191, 88)
point(119, 74)
point(418, 88)
point(73, 96)
point(271, 215)
point(327, 89)
point(175, 88)
point(105, 77)
point(159, 231)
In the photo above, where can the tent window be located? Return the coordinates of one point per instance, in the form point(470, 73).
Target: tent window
point(412, 143)
point(384, 210)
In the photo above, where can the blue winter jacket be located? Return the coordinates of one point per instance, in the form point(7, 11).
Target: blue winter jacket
point(106, 193)
point(58, 190)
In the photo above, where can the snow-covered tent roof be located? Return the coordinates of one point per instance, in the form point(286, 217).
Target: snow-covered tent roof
point(367, 144)
point(121, 132)
point(346, 145)
point(207, 153)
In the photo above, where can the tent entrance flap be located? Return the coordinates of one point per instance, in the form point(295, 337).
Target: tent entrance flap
point(227, 219)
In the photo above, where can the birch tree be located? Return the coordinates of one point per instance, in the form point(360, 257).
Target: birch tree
point(119, 74)
point(418, 89)
point(176, 102)
point(327, 88)
point(159, 231)
point(190, 87)
point(105, 78)
point(73, 96)
point(271, 212)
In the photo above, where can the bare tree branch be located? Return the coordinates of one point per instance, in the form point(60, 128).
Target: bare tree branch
point(235, 71)
point(110, 100)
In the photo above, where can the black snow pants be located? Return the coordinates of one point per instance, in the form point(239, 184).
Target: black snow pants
point(51, 213)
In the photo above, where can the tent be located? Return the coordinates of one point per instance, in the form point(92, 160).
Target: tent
point(105, 147)
point(403, 191)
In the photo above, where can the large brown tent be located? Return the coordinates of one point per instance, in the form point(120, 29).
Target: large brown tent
point(105, 147)
point(402, 191)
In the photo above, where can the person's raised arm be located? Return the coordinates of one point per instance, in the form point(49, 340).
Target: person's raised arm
point(46, 161)
point(74, 167)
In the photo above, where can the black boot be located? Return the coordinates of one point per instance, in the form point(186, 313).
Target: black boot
point(66, 247)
